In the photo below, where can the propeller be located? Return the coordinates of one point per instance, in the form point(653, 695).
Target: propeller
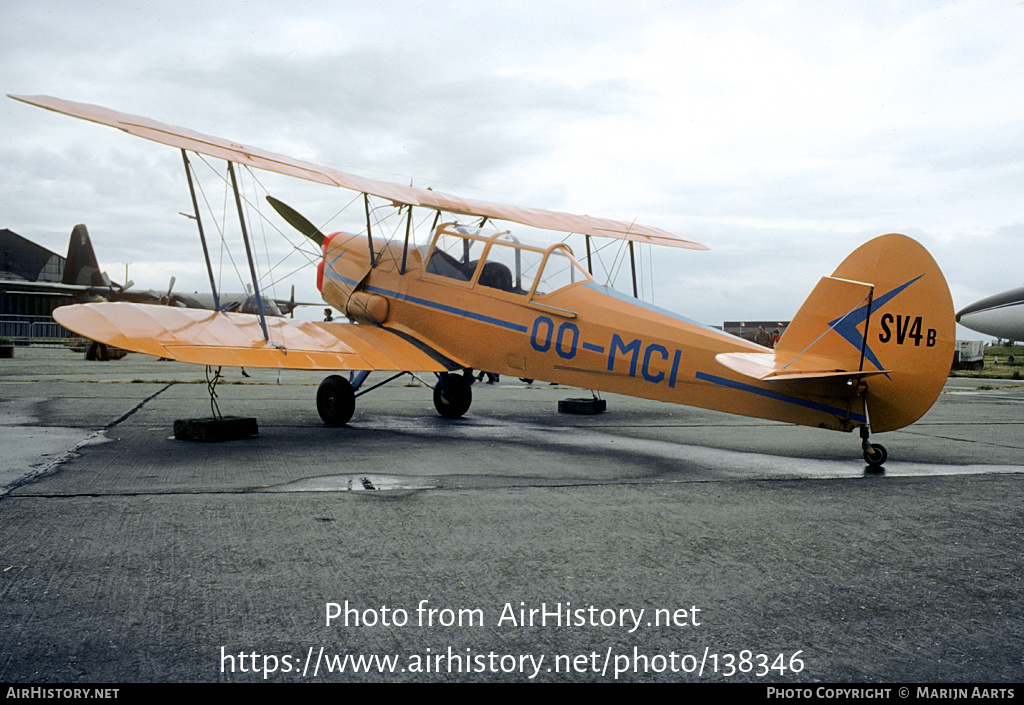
point(168, 299)
point(297, 220)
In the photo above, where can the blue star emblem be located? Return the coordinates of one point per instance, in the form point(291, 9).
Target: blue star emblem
point(846, 326)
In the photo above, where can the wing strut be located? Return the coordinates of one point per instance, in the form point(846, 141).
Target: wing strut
point(369, 231)
point(632, 267)
point(405, 249)
point(202, 235)
point(248, 253)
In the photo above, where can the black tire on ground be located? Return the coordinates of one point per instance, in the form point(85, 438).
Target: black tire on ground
point(335, 401)
point(452, 396)
point(875, 455)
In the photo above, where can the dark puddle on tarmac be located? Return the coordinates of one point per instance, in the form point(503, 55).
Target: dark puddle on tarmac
point(391, 484)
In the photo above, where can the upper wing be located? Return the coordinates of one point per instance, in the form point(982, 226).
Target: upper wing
point(236, 340)
point(240, 154)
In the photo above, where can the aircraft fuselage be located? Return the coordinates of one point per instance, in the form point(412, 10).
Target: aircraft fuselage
point(561, 326)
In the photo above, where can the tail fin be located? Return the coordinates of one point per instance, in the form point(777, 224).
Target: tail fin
point(884, 319)
point(81, 267)
point(905, 332)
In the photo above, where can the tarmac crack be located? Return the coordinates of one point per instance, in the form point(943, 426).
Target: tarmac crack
point(960, 439)
point(40, 470)
point(138, 406)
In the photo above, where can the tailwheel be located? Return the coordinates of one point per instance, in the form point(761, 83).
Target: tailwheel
point(452, 395)
point(875, 455)
point(335, 401)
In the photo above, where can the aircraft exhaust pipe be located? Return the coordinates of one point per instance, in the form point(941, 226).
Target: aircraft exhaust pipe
point(367, 308)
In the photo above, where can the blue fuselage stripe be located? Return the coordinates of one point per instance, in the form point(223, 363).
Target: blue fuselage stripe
point(430, 304)
point(449, 309)
point(799, 401)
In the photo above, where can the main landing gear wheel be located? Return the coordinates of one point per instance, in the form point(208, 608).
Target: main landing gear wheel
point(452, 396)
point(875, 455)
point(335, 400)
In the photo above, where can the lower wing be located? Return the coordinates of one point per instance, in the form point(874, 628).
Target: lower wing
point(236, 340)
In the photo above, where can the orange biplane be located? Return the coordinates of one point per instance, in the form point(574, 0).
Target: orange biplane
point(870, 349)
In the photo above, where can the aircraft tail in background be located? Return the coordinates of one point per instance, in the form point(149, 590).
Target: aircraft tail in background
point(82, 267)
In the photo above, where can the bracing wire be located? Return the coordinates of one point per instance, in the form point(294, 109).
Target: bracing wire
point(831, 327)
point(219, 224)
point(263, 234)
point(251, 204)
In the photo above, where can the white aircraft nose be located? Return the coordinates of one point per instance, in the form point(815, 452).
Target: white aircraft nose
point(1001, 316)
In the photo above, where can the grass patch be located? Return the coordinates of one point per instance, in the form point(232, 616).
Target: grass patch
point(1004, 369)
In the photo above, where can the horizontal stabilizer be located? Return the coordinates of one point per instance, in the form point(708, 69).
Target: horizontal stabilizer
point(236, 339)
point(814, 346)
point(770, 367)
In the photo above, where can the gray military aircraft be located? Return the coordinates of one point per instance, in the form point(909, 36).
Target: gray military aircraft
point(84, 280)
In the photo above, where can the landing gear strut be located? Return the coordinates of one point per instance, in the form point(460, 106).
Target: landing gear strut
point(452, 395)
point(874, 453)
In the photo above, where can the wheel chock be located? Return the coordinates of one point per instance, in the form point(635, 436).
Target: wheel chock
point(581, 406)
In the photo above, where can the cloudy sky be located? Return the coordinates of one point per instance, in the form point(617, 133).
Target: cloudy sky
point(780, 134)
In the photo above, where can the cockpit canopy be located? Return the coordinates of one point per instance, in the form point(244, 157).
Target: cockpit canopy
point(501, 261)
point(250, 305)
